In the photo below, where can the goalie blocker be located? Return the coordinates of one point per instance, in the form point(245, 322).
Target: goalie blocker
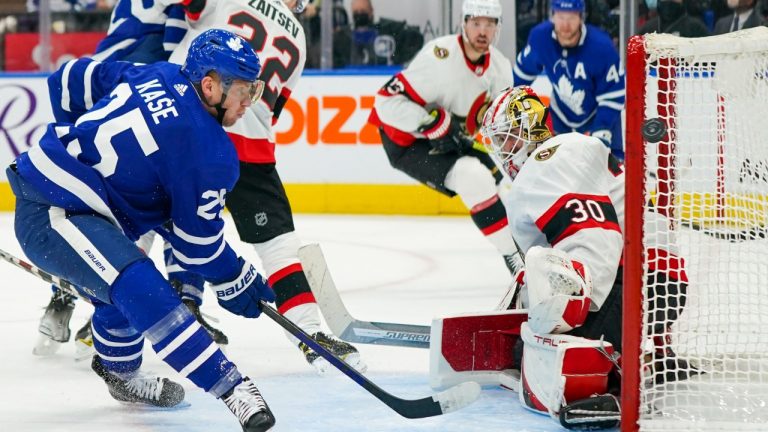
point(567, 377)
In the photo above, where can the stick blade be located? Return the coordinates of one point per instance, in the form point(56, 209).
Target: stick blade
point(458, 397)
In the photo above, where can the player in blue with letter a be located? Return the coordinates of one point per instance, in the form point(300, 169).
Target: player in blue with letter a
point(149, 155)
point(583, 67)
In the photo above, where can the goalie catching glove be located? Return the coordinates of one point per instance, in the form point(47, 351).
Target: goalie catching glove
point(444, 134)
point(553, 287)
point(242, 295)
point(556, 290)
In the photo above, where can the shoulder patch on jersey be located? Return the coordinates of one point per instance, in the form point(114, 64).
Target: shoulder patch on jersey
point(546, 153)
point(440, 52)
point(180, 88)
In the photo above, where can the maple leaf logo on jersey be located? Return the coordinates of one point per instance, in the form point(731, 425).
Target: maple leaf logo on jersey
point(181, 88)
point(572, 98)
point(235, 44)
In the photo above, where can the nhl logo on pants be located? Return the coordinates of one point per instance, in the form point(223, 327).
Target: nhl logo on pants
point(261, 219)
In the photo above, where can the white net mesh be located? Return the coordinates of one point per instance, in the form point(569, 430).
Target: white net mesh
point(708, 369)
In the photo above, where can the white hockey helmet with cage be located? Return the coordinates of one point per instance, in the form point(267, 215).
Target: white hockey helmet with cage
point(514, 125)
point(481, 8)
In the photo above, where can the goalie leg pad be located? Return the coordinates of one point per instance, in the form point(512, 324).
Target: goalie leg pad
point(560, 369)
point(558, 291)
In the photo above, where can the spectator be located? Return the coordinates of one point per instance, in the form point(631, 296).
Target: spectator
point(582, 64)
point(342, 34)
point(673, 18)
point(386, 42)
point(744, 16)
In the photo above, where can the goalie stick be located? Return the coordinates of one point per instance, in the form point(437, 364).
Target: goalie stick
point(449, 400)
point(341, 322)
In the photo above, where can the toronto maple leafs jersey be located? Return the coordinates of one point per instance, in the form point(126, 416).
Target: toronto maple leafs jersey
point(278, 38)
point(440, 75)
point(145, 31)
point(587, 80)
point(145, 154)
point(569, 195)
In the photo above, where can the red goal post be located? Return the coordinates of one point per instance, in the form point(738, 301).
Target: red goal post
point(697, 154)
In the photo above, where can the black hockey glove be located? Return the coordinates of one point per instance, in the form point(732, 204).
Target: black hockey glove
point(445, 135)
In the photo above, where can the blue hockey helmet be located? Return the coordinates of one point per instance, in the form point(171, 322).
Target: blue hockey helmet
point(223, 52)
point(568, 5)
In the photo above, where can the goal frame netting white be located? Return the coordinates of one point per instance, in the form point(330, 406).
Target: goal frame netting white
point(658, 179)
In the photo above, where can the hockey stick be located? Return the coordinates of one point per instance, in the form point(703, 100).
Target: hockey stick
point(446, 401)
point(341, 322)
point(449, 400)
point(63, 284)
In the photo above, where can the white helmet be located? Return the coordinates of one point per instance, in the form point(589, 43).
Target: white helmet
point(514, 125)
point(481, 8)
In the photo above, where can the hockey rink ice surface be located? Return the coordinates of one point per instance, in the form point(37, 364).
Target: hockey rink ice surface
point(387, 268)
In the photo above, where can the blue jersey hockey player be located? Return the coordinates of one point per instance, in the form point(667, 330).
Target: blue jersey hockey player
point(145, 31)
point(90, 189)
point(583, 66)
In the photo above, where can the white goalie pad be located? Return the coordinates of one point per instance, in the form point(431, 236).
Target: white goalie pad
point(558, 290)
point(475, 347)
point(560, 369)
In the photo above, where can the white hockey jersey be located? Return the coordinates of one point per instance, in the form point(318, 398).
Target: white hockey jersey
point(569, 195)
point(278, 38)
point(440, 75)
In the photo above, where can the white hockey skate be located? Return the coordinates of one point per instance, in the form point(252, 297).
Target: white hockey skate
point(84, 342)
point(54, 324)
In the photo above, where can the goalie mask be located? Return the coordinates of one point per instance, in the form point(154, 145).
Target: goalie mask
point(514, 125)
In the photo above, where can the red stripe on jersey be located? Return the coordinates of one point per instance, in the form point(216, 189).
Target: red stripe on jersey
point(283, 272)
point(473, 118)
point(665, 262)
point(298, 300)
point(401, 138)
point(575, 212)
point(475, 68)
point(484, 205)
point(254, 150)
point(495, 227)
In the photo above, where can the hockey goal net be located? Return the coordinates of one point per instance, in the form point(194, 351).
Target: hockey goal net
point(697, 159)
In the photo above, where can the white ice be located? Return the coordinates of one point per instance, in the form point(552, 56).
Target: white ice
point(390, 269)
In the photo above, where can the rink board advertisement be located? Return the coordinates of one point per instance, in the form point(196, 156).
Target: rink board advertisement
point(329, 157)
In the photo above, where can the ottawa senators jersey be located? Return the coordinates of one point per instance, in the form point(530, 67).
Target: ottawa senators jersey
point(440, 75)
point(278, 38)
point(569, 195)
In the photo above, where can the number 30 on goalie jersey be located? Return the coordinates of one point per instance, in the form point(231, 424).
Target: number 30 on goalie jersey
point(569, 195)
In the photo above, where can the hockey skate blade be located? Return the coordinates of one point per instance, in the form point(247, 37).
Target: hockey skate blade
point(45, 346)
point(138, 406)
point(457, 397)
